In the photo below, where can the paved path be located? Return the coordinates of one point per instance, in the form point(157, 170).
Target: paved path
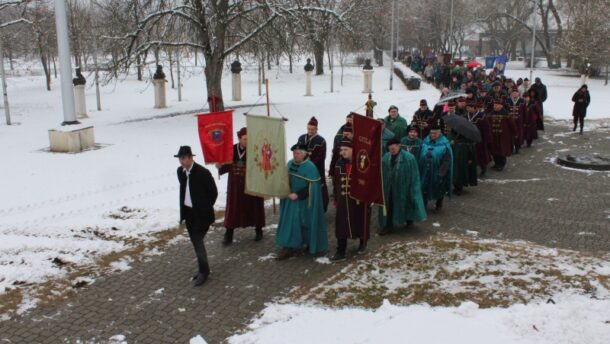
point(154, 302)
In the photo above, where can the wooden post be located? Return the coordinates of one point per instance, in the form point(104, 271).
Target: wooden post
point(269, 115)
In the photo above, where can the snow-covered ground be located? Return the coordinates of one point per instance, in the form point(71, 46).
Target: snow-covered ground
point(67, 210)
point(448, 289)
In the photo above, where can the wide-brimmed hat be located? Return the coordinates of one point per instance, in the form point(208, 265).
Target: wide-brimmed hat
point(184, 151)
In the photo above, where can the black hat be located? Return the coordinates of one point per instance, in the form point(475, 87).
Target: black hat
point(412, 127)
point(345, 142)
point(423, 102)
point(348, 128)
point(184, 151)
point(435, 126)
point(393, 141)
point(299, 146)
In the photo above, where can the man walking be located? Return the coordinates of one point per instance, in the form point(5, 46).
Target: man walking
point(302, 224)
point(242, 209)
point(581, 101)
point(436, 171)
point(402, 189)
point(316, 149)
point(198, 194)
point(353, 217)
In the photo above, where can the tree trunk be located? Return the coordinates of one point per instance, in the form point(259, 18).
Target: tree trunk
point(213, 77)
point(171, 68)
point(318, 54)
point(378, 56)
point(268, 61)
point(290, 62)
point(47, 72)
point(606, 81)
point(139, 67)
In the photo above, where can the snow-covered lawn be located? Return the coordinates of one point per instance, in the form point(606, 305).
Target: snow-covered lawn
point(449, 289)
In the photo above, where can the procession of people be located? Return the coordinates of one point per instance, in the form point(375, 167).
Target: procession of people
point(427, 158)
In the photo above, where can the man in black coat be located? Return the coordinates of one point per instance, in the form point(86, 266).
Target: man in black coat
point(198, 194)
point(541, 95)
point(581, 101)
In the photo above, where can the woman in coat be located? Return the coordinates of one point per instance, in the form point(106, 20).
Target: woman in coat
point(581, 100)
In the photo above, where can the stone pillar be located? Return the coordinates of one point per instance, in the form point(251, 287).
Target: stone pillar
point(308, 71)
point(236, 82)
point(159, 84)
point(367, 72)
point(79, 101)
point(79, 95)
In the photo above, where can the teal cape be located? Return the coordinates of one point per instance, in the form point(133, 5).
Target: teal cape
point(412, 146)
point(403, 184)
point(398, 127)
point(386, 135)
point(430, 160)
point(302, 221)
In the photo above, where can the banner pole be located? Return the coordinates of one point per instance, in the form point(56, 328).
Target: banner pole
point(269, 115)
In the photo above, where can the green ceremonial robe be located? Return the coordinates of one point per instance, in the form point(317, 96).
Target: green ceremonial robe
point(402, 189)
point(398, 126)
point(302, 221)
point(436, 167)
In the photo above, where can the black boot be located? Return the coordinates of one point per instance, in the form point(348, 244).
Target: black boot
point(259, 234)
point(341, 247)
point(483, 171)
point(580, 130)
point(362, 246)
point(574, 129)
point(228, 239)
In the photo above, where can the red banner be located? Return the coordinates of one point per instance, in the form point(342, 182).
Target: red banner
point(366, 183)
point(216, 136)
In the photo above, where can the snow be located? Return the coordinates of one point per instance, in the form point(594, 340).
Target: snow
point(62, 212)
point(197, 340)
point(574, 319)
point(508, 292)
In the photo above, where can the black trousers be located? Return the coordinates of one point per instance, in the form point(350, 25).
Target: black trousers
point(578, 119)
point(197, 231)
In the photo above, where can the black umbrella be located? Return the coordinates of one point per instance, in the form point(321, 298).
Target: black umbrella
point(464, 127)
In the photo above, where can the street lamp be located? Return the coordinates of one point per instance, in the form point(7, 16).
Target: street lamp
point(533, 42)
point(65, 65)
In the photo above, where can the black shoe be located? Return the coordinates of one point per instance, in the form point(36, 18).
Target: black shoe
point(580, 131)
point(201, 279)
point(361, 247)
point(483, 171)
point(228, 239)
point(259, 234)
point(195, 276)
point(385, 231)
point(337, 257)
point(409, 223)
point(574, 129)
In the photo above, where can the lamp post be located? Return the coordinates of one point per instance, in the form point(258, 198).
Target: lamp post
point(451, 30)
point(65, 65)
point(392, 46)
point(533, 44)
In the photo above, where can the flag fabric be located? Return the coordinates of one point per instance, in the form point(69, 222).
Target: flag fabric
point(366, 184)
point(489, 62)
point(500, 63)
point(266, 171)
point(216, 136)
